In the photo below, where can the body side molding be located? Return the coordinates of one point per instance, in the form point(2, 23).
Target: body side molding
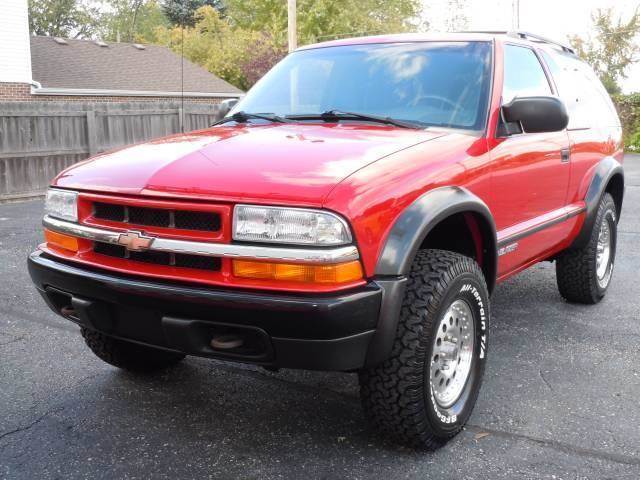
point(604, 172)
point(414, 224)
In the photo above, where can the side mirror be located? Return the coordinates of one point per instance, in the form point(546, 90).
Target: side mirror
point(537, 114)
point(227, 105)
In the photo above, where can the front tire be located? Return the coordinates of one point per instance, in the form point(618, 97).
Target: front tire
point(127, 355)
point(583, 275)
point(425, 391)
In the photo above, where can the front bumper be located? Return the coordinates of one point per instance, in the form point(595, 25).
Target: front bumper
point(317, 332)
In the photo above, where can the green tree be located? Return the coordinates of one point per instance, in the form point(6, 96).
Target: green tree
point(613, 47)
point(235, 54)
point(320, 20)
point(131, 20)
point(63, 18)
point(182, 12)
point(251, 36)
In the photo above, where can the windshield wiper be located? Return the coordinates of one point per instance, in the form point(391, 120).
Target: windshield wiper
point(244, 117)
point(333, 115)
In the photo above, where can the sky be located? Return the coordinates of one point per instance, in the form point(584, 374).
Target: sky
point(555, 19)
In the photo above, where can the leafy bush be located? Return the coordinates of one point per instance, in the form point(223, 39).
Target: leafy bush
point(633, 143)
point(628, 107)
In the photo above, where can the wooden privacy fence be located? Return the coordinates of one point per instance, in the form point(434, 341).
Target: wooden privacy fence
point(39, 139)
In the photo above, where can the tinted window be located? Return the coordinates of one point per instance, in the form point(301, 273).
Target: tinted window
point(587, 101)
point(432, 83)
point(523, 74)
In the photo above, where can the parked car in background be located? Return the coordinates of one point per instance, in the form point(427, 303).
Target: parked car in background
point(353, 212)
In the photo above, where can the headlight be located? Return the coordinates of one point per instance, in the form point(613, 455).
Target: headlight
point(62, 204)
point(289, 225)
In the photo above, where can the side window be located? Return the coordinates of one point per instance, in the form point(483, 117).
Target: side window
point(587, 101)
point(523, 74)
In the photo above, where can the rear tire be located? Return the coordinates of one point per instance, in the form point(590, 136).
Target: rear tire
point(127, 355)
point(408, 396)
point(583, 275)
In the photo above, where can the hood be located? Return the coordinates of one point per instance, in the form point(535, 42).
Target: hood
point(291, 163)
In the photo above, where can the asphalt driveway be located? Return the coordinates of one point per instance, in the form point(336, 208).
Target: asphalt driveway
point(561, 397)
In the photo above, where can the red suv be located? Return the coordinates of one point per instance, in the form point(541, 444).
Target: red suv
point(353, 212)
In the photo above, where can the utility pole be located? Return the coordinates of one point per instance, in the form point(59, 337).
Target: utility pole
point(515, 14)
point(293, 34)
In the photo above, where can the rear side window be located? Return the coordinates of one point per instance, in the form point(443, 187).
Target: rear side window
point(587, 101)
point(523, 74)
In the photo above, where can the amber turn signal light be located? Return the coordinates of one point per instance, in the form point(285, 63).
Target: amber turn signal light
point(292, 272)
point(59, 240)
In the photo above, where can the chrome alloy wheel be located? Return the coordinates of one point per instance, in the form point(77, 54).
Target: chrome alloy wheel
point(452, 353)
point(603, 254)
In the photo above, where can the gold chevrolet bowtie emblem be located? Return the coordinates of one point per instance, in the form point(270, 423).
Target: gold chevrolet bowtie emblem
point(135, 241)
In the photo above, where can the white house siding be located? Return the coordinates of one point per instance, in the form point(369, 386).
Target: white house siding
point(15, 53)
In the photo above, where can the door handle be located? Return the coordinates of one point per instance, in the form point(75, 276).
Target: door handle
point(565, 155)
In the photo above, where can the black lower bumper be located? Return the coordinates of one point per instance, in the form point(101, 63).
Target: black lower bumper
point(279, 330)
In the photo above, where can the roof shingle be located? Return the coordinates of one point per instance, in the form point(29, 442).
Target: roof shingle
point(82, 64)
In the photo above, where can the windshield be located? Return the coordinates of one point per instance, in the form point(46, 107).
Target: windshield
point(429, 83)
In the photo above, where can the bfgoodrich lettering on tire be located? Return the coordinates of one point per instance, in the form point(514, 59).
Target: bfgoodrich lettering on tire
point(584, 274)
point(424, 392)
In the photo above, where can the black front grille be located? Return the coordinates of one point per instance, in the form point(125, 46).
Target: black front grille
point(159, 258)
point(197, 220)
point(108, 211)
point(109, 249)
point(158, 217)
point(181, 260)
point(149, 216)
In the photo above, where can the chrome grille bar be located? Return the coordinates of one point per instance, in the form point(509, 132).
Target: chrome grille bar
point(207, 249)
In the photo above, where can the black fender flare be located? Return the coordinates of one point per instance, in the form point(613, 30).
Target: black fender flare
point(414, 224)
point(606, 169)
point(402, 245)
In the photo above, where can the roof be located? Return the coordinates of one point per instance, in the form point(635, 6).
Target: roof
point(518, 36)
point(84, 65)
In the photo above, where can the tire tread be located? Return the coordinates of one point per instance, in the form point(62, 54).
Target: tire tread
point(392, 392)
point(576, 268)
